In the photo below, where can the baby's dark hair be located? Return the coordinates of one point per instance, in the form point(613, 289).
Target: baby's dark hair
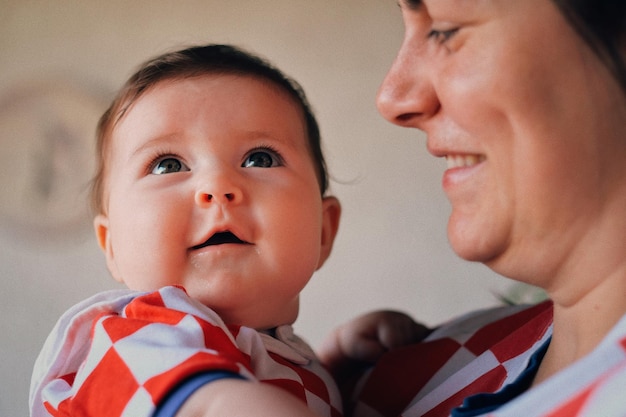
point(192, 62)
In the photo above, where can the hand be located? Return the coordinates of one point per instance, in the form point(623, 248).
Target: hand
point(363, 340)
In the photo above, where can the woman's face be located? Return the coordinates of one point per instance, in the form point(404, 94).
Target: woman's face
point(530, 122)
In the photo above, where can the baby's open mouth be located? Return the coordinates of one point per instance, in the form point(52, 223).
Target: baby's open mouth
point(220, 238)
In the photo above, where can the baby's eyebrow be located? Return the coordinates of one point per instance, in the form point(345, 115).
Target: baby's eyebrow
point(152, 143)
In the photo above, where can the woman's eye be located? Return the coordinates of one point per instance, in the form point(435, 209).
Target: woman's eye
point(262, 159)
point(441, 36)
point(168, 165)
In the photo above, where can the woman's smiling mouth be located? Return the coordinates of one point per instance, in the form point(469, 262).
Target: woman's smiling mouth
point(463, 161)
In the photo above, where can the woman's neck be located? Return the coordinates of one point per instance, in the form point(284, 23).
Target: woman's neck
point(580, 326)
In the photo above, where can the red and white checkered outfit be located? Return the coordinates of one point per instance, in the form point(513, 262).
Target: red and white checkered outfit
point(485, 351)
point(120, 353)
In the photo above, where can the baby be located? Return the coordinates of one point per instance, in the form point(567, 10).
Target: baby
point(211, 207)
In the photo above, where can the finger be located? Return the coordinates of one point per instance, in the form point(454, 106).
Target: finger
point(401, 330)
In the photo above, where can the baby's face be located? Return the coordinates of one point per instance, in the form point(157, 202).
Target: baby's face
point(211, 186)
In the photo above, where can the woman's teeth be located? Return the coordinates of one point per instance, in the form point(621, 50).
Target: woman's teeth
point(463, 161)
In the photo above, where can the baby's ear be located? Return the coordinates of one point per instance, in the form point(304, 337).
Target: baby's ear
point(331, 214)
point(103, 235)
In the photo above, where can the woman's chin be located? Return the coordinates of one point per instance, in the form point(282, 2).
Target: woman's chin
point(473, 244)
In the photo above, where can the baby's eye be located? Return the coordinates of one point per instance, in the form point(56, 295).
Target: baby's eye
point(167, 165)
point(263, 158)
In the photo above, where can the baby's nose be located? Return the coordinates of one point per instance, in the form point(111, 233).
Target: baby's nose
point(203, 197)
point(219, 191)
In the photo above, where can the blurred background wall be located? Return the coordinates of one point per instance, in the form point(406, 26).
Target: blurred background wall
point(61, 61)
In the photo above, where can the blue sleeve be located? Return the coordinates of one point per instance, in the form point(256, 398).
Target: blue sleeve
point(175, 400)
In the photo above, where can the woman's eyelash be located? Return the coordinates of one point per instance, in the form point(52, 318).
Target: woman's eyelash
point(441, 36)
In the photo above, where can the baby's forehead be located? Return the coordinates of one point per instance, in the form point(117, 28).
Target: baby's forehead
point(244, 102)
point(247, 81)
point(218, 77)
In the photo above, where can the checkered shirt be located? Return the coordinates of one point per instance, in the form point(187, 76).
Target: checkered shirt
point(485, 351)
point(120, 353)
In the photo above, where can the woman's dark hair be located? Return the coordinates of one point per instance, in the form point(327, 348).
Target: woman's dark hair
point(192, 62)
point(602, 24)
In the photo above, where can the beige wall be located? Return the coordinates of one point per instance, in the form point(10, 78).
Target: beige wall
point(391, 251)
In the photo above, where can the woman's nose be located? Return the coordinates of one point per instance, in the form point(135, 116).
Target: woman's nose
point(407, 95)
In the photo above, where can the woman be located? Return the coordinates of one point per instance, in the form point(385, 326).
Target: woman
point(527, 102)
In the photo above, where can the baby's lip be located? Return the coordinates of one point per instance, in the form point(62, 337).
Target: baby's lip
point(221, 238)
